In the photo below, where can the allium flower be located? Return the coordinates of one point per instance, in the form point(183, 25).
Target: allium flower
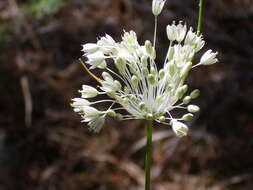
point(157, 6)
point(137, 85)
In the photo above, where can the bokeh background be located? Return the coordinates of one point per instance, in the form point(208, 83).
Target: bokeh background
point(43, 145)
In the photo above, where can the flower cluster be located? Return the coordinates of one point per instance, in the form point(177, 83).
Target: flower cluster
point(138, 86)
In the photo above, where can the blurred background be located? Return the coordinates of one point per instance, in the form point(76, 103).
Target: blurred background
point(43, 145)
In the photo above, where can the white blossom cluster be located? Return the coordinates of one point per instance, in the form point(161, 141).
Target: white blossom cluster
point(137, 85)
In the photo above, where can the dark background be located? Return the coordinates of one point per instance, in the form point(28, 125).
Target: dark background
point(40, 43)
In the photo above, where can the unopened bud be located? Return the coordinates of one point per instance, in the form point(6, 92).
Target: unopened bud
point(161, 74)
point(148, 47)
point(111, 113)
point(126, 90)
point(121, 65)
point(117, 84)
point(153, 70)
point(145, 72)
point(151, 79)
point(118, 116)
point(158, 98)
point(125, 101)
point(142, 105)
point(181, 91)
point(193, 108)
point(134, 80)
point(195, 93)
point(133, 98)
point(187, 117)
point(162, 118)
point(187, 99)
point(149, 116)
point(144, 61)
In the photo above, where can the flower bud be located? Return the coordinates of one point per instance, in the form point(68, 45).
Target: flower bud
point(118, 116)
point(126, 90)
point(151, 79)
point(144, 61)
point(133, 98)
point(181, 91)
point(111, 113)
point(162, 118)
point(142, 105)
point(172, 67)
point(148, 47)
point(134, 80)
point(149, 116)
point(193, 108)
point(187, 99)
point(195, 93)
point(125, 101)
point(121, 65)
point(161, 73)
point(187, 117)
point(157, 6)
point(158, 98)
point(153, 70)
point(117, 84)
point(145, 72)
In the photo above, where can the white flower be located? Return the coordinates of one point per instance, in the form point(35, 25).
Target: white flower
point(91, 113)
point(79, 103)
point(133, 82)
point(96, 59)
point(94, 118)
point(157, 6)
point(88, 92)
point(176, 32)
point(194, 40)
point(179, 128)
point(107, 44)
point(208, 58)
point(90, 48)
point(97, 124)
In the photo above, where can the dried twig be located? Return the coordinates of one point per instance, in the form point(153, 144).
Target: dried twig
point(27, 99)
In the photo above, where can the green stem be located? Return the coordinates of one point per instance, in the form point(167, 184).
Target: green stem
point(199, 21)
point(148, 154)
point(155, 31)
point(200, 16)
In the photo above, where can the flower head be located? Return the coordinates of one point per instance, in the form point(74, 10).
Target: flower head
point(137, 85)
point(157, 6)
